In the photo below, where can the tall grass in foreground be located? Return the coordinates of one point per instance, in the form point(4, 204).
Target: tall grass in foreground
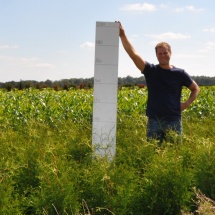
point(46, 164)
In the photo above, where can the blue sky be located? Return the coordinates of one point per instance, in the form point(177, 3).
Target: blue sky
point(54, 39)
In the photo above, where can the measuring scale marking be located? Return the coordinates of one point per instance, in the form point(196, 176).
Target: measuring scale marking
point(105, 88)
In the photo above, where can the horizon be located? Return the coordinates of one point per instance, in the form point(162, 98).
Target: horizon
point(211, 77)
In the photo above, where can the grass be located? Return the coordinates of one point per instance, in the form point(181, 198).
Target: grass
point(47, 166)
point(42, 166)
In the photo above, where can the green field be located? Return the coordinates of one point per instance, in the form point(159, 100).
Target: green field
point(46, 164)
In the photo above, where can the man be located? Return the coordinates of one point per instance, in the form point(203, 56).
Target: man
point(164, 83)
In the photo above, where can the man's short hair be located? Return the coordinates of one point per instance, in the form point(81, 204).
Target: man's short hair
point(163, 44)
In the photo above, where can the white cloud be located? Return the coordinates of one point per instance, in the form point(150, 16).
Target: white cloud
point(190, 8)
point(211, 30)
point(87, 45)
point(33, 62)
point(5, 58)
point(44, 65)
point(164, 6)
point(9, 46)
point(179, 9)
point(63, 52)
point(208, 47)
point(133, 37)
point(168, 35)
point(26, 62)
point(202, 51)
point(188, 56)
point(139, 7)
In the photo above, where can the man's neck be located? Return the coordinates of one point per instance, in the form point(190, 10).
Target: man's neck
point(166, 66)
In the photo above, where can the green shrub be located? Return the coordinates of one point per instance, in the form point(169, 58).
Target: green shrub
point(47, 167)
point(165, 187)
point(205, 168)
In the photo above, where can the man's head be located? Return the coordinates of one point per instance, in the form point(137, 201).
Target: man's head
point(163, 53)
point(163, 44)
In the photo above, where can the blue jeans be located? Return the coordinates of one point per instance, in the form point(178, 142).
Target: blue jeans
point(161, 129)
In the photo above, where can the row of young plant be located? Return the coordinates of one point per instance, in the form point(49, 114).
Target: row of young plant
point(46, 164)
point(52, 107)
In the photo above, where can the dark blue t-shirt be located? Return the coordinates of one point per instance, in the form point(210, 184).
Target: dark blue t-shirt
point(164, 91)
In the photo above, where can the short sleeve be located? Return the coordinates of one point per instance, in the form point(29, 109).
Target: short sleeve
point(187, 80)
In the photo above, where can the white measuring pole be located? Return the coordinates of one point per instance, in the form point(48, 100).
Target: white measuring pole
point(105, 88)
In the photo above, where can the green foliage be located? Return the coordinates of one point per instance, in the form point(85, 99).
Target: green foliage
point(47, 166)
point(204, 104)
point(166, 184)
point(205, 168)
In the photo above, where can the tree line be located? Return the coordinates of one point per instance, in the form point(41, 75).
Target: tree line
point(87, 83)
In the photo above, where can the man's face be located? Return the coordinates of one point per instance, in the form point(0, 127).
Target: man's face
point(163, 55)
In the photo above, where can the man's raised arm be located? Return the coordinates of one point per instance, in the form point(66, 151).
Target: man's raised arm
point(137, 59)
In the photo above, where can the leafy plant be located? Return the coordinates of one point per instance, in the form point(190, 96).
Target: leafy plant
point(47, 167)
